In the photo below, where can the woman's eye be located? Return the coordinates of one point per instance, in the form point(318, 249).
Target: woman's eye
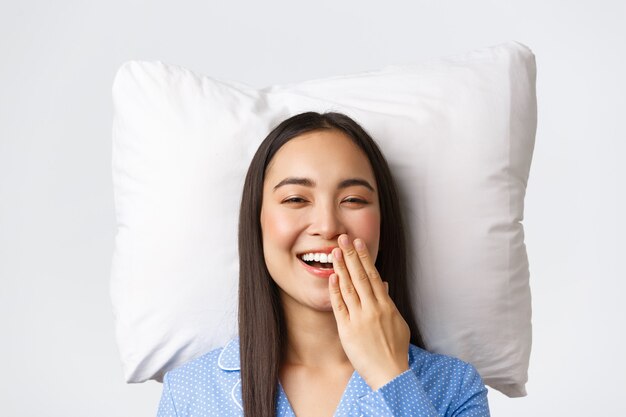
point(355, 200)
point(294, 200)
point(297, 200)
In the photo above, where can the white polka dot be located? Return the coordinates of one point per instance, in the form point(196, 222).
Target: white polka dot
point(435, 385)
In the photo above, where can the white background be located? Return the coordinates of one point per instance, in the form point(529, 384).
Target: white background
point(57, 224)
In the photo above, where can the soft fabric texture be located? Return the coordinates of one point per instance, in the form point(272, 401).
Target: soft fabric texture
point(458, 133)
point(435, 385)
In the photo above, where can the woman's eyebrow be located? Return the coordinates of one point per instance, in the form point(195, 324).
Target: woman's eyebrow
point(354, 181)
point(307, 182)
point(296, 180)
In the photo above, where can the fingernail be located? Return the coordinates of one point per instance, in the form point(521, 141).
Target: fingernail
point(337, 253)
point(358, 243)
point(343, 239)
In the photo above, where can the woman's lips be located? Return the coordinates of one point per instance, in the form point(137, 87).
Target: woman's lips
point(326, 250)
point(319, 272)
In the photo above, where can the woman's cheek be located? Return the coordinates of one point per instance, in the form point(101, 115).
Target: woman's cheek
point(368, 229)
point(280, 229)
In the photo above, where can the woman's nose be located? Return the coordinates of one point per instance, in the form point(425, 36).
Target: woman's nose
point(326, 222)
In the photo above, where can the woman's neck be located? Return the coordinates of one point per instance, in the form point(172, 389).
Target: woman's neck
point(312, 337)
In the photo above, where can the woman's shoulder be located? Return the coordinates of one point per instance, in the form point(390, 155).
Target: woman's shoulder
point(203, 386)
point(422, 356)
point(438, 371)
point(197, 369)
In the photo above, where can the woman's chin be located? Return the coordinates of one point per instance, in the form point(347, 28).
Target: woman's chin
point(316, 299)
point(322, 303)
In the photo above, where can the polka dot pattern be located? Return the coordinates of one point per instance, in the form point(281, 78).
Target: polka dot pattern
point(435, 385)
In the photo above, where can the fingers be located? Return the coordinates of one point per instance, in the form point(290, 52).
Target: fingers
point(361, 269)
point(375, 283)
point(358, 283)
point(347, 289)
point(336, 299)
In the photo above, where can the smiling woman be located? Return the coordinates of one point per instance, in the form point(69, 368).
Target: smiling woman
point(326, 327)
point(323, 189)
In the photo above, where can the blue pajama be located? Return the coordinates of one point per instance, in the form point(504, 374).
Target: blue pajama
point(434, 385)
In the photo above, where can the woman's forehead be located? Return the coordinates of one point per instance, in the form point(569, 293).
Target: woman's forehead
point(322, 156)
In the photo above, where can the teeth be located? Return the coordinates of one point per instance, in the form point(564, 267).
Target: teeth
point(318, 257)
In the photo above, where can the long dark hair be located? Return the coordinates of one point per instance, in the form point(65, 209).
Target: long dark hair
point(262, 333)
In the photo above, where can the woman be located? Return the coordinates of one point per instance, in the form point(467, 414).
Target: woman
point(320, 332)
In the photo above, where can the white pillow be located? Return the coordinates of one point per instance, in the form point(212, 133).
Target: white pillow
point(458, 133)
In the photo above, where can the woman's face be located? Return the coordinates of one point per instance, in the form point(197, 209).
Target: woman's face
point(309, 214)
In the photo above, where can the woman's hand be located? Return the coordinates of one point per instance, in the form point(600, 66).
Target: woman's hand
point(372, 331)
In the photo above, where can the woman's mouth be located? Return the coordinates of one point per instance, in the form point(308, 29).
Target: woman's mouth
point(319, 264)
